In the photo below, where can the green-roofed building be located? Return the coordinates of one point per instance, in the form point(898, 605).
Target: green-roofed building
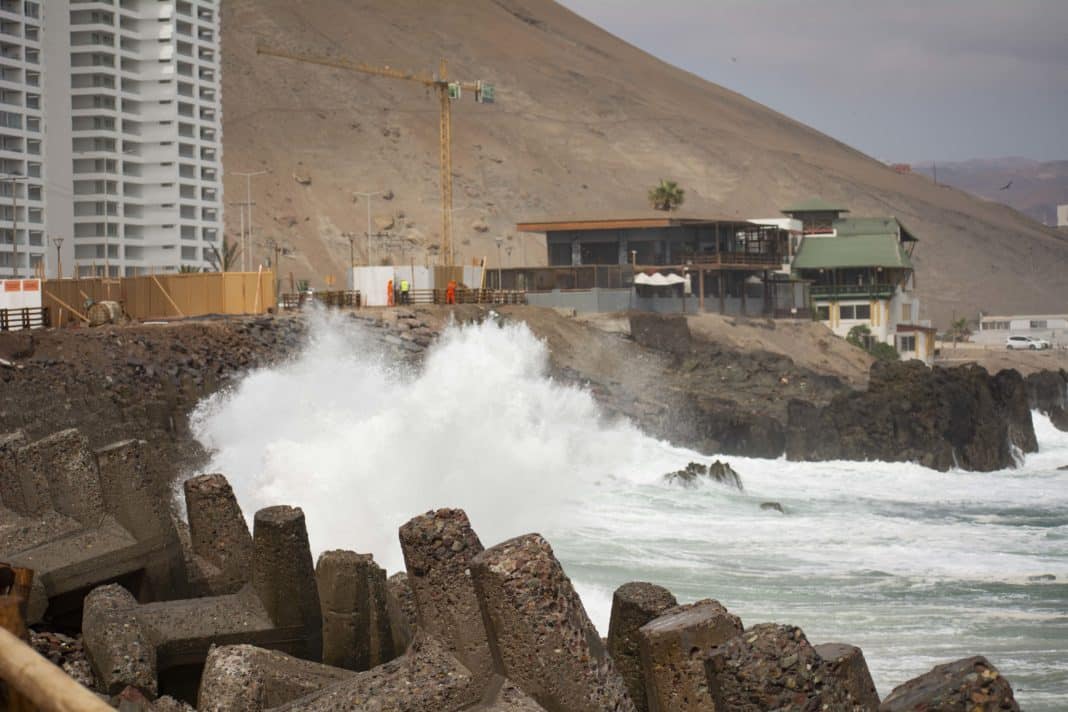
point(860, 273)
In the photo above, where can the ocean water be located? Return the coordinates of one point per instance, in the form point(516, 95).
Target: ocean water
point(916, 567)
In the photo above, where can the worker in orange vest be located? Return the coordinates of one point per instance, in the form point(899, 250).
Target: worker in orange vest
point(450, 292)
point(389, 293)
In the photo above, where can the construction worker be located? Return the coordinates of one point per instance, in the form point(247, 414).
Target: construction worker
point(389, 293)
point(450, 292)
point(404, 291)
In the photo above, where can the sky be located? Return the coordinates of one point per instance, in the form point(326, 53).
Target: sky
point(901, 80)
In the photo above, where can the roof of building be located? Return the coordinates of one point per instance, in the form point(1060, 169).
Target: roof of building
point(815, 205)
point(873, 226)
point(623, 224)
point(854, 251)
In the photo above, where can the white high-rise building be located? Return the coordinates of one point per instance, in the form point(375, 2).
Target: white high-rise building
point(133, 134)
point(22, 237)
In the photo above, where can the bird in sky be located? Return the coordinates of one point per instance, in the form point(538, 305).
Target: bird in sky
point(1006, 186)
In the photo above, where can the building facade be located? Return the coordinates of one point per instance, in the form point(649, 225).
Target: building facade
point(1062, 216)
point(133, 135)
point(994, 330)
point(861, 275)
point(23, 243)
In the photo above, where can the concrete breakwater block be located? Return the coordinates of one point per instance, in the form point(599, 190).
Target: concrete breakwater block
point(79, 517)
point(353, 595)
point(967, 684)
point(244, 678)
point(219, 538)
point(673, 649)
point(427, 679)
point(633, 605)
point(540, 635)
point(846, 663)
point(438, 549)
point(402, 616)
point(279, 609)
point(771, 666)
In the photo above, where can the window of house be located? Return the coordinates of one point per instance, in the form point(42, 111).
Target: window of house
point(906, 312)
point(906, 344)
point(1038, 324)
point(863, 311)
point(854, 311)
point(823, 312)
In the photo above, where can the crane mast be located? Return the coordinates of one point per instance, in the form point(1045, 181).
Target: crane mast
point(448, 91)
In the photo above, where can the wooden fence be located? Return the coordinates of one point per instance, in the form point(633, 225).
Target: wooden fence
point(28, 318)
point(162, 296)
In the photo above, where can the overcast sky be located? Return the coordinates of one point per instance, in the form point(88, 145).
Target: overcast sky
point(902, 80)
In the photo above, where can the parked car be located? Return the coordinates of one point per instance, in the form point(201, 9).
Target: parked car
point(1026, 342)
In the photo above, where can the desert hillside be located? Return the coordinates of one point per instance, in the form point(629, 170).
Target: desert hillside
point(584, 123)
point(1035, 188)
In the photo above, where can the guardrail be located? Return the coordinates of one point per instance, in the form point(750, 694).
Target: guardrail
point(737, 258)
point(466, 296)
point(26, 318)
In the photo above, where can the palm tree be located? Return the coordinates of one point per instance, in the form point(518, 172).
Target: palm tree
point(225, 261)
point(959, 330)
point(667, 195)
point(188, 269)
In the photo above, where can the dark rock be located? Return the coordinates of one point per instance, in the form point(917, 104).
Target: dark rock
point(969, 684)
point(717, 472)
point(846, 663)
point(941, 418)
point(720, 426)
point(772, 506)
point(1047, 390)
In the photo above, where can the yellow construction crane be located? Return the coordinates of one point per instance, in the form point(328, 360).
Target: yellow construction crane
point(448, 91)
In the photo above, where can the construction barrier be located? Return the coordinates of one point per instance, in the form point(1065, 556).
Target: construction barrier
point(28, 318)
point(345, 298)
point(162, 296)
point(467, 296)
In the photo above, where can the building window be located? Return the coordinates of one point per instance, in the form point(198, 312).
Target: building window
point(996, 326)
point(854, 311)
point(906, 344)
point(1038, 324)
point(823, 312)
point(906, 312)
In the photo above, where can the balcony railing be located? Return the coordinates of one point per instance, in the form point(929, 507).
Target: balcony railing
point(852, 291)
point(736, 258)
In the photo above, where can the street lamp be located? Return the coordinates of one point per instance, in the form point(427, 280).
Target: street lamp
point(499, 241)
point(367, 198)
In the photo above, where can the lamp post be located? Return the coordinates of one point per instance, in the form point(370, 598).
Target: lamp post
point(500, 241)
point(246, 243)
point(58, 242)
point(367, 198)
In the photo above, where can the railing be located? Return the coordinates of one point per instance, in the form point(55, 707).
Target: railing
point(466, 296)
point(736, 258)
point(339, 298)
point(852, 291)
point(26, 318)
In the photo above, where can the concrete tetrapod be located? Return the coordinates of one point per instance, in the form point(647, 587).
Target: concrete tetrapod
point(633, 605)
point(79, 518)
point(219, 539)
point(540, 635)
point(279, 609)
point(438, 549)
point(353, 594)
point(673, 649)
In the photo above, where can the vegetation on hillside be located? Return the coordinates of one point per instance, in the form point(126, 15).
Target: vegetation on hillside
point(666, 195)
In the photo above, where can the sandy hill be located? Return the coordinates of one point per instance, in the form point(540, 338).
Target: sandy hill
point(1035, 188)
point(584, 123)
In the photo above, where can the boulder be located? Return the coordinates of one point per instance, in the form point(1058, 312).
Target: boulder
point(694, 472)
point(970, 684)
point(633, 605)
point(847, 665)
point(662, 332)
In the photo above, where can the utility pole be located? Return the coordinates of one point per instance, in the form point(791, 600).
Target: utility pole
point(13, 178)
point(58, 242)
point(248, 175)
point(367, 198)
